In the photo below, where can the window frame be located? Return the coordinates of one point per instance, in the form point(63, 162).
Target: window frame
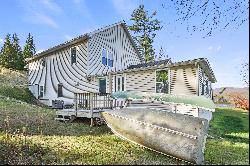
point(73, 56)
point(167, 81)
point(41, 92)
point(61, 89)
point(104, 57)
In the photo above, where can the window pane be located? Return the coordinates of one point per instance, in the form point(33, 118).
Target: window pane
point(104, 57)
point(119, 82)
point(73, 55)
point(122, 83)
point(59, 93)
point(41, 91)
point(110, 60)
point(104, 61)
point(102, 85)
point(115, 83)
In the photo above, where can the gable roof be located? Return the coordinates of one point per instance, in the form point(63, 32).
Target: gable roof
point(84, 37)
point(150, 64)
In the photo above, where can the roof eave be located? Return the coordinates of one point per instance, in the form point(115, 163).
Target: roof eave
point(58, 47)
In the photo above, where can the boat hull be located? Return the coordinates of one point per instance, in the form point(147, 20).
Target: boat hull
point(174, 134)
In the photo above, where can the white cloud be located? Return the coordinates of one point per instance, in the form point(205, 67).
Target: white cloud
point(38, 12)
point(210, 48)
point(68, 37)
point(44, 19)
point(39, 51)
point(1, 41)
point(51, 5)
point(77, 1)
point(124, 7)
point(218, 48)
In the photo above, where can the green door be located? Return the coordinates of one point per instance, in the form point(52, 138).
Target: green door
point(102, 85)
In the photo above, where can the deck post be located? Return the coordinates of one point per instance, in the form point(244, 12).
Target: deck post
point(76, 103)
point(91, 109)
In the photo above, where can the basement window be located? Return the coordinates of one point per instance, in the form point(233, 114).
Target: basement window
point(59, 90)
point(41, 91)
point(73, 55)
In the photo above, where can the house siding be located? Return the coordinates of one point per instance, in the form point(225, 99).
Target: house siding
point(183, 80)
point(58, 69)
point(141, 81)
point(116, 41)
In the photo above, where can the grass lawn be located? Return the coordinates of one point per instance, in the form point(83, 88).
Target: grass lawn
point(36, 138)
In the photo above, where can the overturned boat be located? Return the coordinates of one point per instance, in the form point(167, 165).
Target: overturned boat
point(154, 122)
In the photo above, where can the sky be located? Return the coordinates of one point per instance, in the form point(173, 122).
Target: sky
point(53, 22)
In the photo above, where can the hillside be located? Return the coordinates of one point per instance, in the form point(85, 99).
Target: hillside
point(232, 90)
point(13, 84)
point(232, 96)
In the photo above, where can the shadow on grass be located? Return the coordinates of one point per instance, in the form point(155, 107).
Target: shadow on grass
point(227, 121)
point(226, 152)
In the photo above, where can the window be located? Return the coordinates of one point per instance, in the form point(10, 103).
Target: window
point(207, 88)
point(161, 81)
point(122, 83)
point(43, 62)
point(110, 60)
point(107, 58)
point(73, 55)
point(59, 90)
point(41, 92)
point(104, 57)
point(202, 89)
point(119, 84)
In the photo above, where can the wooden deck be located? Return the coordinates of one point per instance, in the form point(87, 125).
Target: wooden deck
point(88, 105)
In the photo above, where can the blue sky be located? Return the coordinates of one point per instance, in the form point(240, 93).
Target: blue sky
point(52, 22)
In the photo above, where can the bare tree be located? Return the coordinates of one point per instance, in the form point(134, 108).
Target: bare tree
point(210, 15)
point(245, 73)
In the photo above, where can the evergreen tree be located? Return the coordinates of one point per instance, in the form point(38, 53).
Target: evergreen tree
point(18, 62)
point(162, 54)
point(145, 26)
point(29, 48)
point(6, 53)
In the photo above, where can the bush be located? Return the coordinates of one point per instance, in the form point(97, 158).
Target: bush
point(19, 93)
point(241, 102)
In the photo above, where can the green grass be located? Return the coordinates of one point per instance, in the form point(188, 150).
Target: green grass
point(230, 145)
point(34, 137)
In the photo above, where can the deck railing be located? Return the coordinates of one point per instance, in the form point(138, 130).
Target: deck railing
point(93, 101)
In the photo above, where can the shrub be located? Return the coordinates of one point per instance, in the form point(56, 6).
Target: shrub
point(16, 92)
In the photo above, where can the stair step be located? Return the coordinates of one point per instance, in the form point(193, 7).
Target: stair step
point(62, 119)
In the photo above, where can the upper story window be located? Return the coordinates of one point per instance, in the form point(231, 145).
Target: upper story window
point(73, 55)
point(43, 62)
point(107, 58)
point(104, 57)
point(110, 59)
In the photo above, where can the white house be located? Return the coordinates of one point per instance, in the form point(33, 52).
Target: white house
point(107, 60)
